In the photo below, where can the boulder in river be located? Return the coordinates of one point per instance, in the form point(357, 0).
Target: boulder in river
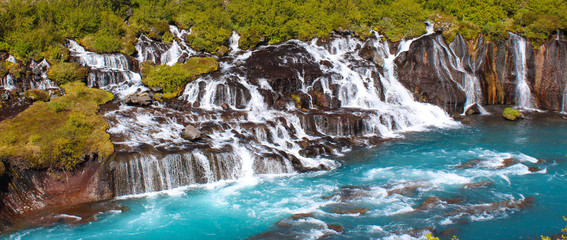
point(472, 109)
point(190, 133)
point(512, 114)
point(140, 99)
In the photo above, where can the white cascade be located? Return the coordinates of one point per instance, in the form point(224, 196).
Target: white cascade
point(467, 81)
point(107, 71)
point(7, 82)
point(233, 42)
point(524, 98)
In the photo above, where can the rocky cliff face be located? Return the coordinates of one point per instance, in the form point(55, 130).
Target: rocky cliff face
point(550, 70)
point(28, 191)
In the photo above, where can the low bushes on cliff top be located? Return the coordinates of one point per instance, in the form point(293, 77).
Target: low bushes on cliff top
point(172, 79)
point(30, 28)
point(60, 133)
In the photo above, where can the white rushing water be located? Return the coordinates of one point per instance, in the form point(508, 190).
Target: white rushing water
point(384, 107)
point(107, 71)
point(7, 82)
point(449, 63)
point(524, 98)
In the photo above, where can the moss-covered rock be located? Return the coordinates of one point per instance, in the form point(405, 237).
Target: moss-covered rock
point(37, 95)
point(65, 72)
point(512, 114)
point(172, 79)
point(58, 134)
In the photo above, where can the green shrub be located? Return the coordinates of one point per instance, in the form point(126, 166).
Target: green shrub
point(172, 79)
point(65, 72)
point(58, 134)
point(37, 95)
point(103, 43)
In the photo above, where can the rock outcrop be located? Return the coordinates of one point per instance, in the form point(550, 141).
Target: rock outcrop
point(427, 70)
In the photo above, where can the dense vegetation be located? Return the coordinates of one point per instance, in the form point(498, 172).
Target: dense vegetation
point(32, 29)
point(60, 133)
point(172, 79)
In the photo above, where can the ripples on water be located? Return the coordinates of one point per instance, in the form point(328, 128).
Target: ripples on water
point(389, 183)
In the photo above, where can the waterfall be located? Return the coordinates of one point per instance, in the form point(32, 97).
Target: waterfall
point(524, 98)
point(233, 42)
point(450, 62)
point(7, 82)
point(11, 59)
point(40, 79)
point(248, 134)
point(164, 53)
point(107, 71)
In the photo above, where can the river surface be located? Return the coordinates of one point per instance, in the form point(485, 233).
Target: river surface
point(388, 183)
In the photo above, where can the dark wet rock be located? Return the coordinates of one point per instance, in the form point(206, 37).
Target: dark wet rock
point(156, 89)
point(428, 82)
point(429, 203)
point(138, 99)
point(473, 109)
point(405, 188)
point(32, 191)
point(481, 184)
point(471, 163)
point(416, 233)
point(358, 211)
point(336, 227)
point(534, 169)
point(349, 193)
point(196, 104)
point(493, 207)
point(550, 74)
point(225, 107)
point(190, 133)
point(507, 162)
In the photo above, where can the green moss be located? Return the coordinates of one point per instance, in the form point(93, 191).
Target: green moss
point(65, 72)
point(37, 95)
point(60, 133)
point(172, 79)
point(103, 43)
point(512, 114)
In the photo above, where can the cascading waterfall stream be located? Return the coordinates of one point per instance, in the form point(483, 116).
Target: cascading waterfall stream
point(524, 98)
point(384, 106)
point(107, 71)
point(469, 82)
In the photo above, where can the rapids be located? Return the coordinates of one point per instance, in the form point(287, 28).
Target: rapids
point(391, 182)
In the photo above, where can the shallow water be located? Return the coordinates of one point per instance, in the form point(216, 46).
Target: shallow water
point(428, 161)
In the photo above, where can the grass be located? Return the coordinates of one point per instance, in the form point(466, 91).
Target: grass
point(58, 134)
point(172, 79)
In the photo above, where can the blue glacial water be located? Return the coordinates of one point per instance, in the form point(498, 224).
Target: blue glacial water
point(388, 182)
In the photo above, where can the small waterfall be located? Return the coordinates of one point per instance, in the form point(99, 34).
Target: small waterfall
point(7, 82)
point(233, 42)
point(450, 62)
point(40, 79)
point(107, 71)
point(163, 53)
point(11, 59)
point(524, 98)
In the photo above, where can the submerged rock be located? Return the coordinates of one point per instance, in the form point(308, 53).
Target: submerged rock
point(190, 133)
point(481, 184)
point(512, 114)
